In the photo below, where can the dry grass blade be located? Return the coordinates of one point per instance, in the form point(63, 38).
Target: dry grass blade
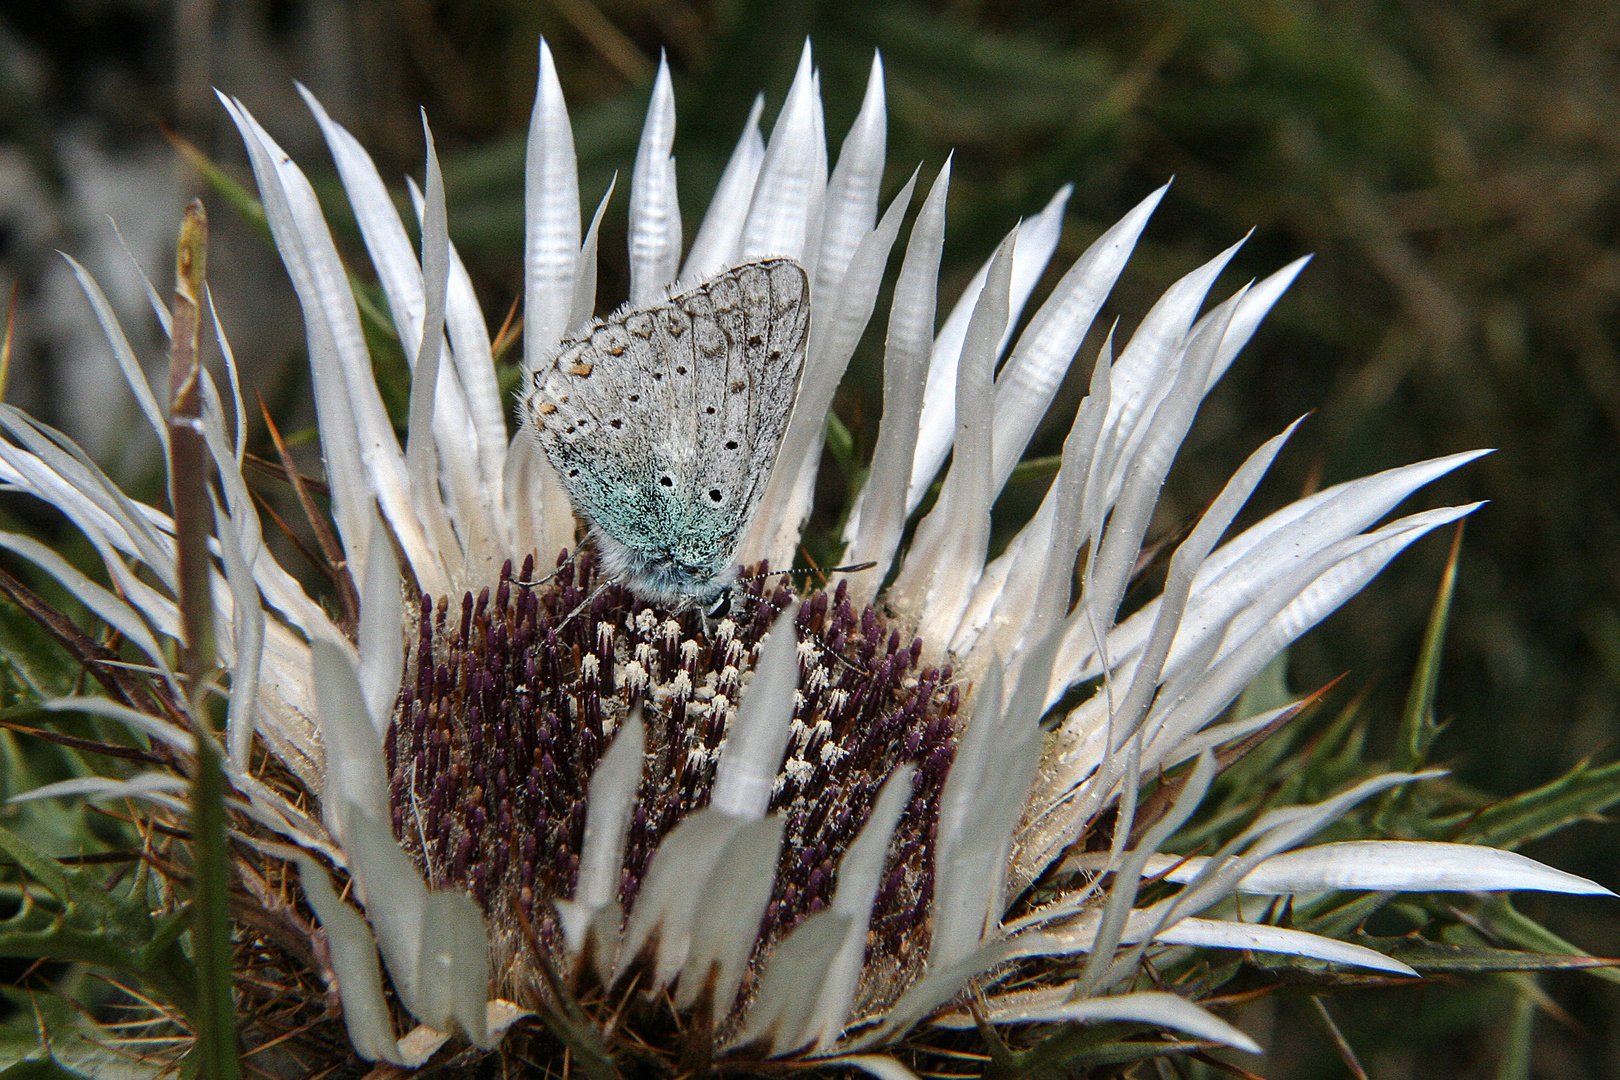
point(1156, 805)
point(510, 332)
point(127, 753)
point(279, 472)
point(348, 596)
point(100, 661)
point(292, 537)
point(5, 350)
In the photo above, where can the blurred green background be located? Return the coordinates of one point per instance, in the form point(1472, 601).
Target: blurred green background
point(1453, 166)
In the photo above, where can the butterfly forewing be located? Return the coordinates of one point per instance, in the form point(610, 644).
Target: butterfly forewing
point(664, 422)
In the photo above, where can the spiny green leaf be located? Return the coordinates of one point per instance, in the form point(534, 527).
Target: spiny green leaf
point(82, 922)
point(1042, 468)
point(54, 1028)
point(1418, 727)
point(239, 198)
point(45, 1068)
point(841, 444)
point(1328, 762)
point(1582, 794)
point(1426, 955)
point(1507, 923)
point(1518, 1048)
point(27, 763)
point(37, 866)
point(78, 935)
point(1337, 761)
point(1332, 917)
point(1078, 1047)
point(32, 665)
point(1247, 779)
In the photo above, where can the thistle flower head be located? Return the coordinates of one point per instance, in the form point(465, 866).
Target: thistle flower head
point(574, 815)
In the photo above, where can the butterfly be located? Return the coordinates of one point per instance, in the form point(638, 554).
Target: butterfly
point(663, 423)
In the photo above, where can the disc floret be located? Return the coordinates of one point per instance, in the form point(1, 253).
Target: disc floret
point(509, 703)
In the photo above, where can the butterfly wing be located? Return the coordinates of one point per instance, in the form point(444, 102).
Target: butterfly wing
point(664, 422)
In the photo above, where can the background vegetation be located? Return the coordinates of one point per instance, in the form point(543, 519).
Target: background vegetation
point(1453, 166)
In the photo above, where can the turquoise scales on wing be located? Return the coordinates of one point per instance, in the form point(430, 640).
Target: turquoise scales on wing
point(663, 423)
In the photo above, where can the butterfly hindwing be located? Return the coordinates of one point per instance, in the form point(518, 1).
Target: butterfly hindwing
point(663, 422)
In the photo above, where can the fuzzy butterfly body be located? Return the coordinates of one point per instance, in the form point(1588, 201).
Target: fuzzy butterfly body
point(663, 423)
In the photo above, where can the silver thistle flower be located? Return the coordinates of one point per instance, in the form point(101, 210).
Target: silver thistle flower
point(803, 831)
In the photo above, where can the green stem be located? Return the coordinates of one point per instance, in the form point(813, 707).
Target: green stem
point(214, 1015)
point(211, 918)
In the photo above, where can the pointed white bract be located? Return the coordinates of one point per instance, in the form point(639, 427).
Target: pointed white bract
point(852, 189)
point(878, 518)
point(784, 214)
point(354, 961)
point(835, 330)
point(655, 215)
point(607, 820)
point(1145, 925)
point(434, 943)
point(1021, 631)
point(160, 788)
point(381, 645)
point(1376, 865)
point(1150, 1007)
point(948, 551)
point(715, 246)
point(354, 425)
point(356, 778)
point(671, 889)
point(422, 457)
point(753, 751)
point(726, 922)
point(977, 811)
point(789, 988)
point(1033, 378)
point(859, 875)
point(550, 218)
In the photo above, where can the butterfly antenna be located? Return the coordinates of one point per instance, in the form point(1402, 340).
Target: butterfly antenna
point(567, 561)
point(810, 635)
point(585, 603)
point(850, 569)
